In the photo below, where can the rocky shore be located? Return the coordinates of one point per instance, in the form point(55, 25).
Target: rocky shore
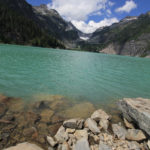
point(97, 132)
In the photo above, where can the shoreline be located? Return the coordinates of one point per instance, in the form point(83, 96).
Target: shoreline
point(42, 126)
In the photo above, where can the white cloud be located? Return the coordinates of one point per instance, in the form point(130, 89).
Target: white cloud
point(92, 26)
point(111, 3)
point(127, 7)
point(77, 9)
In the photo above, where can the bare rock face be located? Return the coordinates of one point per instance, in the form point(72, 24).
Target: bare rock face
point(137, 110)
point(24, 146)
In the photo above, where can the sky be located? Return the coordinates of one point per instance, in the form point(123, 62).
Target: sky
point(89, 15)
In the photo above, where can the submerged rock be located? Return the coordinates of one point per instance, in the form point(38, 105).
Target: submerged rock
point(92, 125)
point(137, 110)
point(24, 146)
point(135, 135)
point(77, 111)
point(119, 131)
point(46, 115)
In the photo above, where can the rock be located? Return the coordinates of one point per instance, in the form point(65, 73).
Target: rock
point(50, 148)
point(68, 130)
point(104, 147)
point(82, 144)
point(137, 110)
point(133, 145)
point(46, 114)
point(51, 141)
point(65, 146)
point(135, 135)
point(24, 146)
point(100, 114)
point(61, 136)
point(127, 124)
point(81, 134)
point(29, 131)
point(94, 147)
point(119, 131)
point(148, 144)
point(3, 110)
point(92, 125)
point(77, 111)
point(74, 123)
point(104, 124)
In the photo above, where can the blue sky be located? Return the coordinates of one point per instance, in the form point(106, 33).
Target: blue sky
point(88, 15)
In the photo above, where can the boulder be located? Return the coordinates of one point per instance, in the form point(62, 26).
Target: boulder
point(92, 125)
point(135, 135)
point(100, 114)
point(82, 144)
point(51, 141)
point(61, 136)
point(81, 134)
point(24, 146)
point(74, 123)
point(137, 110)
point(119, 131)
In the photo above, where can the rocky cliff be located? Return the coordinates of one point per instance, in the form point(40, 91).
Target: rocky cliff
point(131, 36)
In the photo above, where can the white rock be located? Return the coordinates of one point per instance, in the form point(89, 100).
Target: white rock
point(61, 136)
point(100, 114)
point(24, 146)
point(81, 134)
point(51, 141)
point(92, 125)
point(82, 144)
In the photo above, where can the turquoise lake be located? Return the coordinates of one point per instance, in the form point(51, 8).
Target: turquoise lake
point(98, 78)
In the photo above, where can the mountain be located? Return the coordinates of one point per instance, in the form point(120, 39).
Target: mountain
point(20, 23)
point(131, 36)
point(51, 21)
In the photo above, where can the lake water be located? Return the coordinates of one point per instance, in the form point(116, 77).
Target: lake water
point(98, 78)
